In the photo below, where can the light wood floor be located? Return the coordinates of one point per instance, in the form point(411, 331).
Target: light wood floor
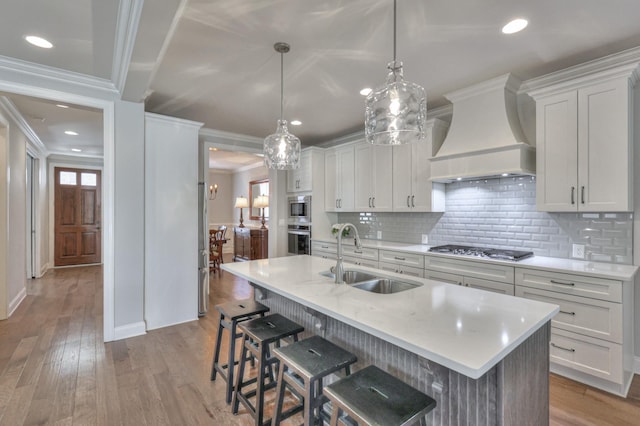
point(54, 368)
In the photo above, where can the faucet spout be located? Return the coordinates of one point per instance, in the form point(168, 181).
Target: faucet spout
point(339, 269)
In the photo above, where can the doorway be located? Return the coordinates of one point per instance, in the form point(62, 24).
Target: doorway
point(77, 230)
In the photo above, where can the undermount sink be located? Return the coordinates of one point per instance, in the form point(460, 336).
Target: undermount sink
point(386, 285)
point(351, 276)
point(373, 283)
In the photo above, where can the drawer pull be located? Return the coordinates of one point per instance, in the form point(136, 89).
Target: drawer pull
point(399, 258)
point(568, 313)
point(560, 347)
point(562, 283)
point(357, 251)
point(325, 247)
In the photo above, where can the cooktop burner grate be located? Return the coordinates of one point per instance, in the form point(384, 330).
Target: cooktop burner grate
point(482, 252)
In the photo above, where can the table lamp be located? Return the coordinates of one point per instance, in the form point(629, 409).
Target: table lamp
point(241, 203)
point(261, 202)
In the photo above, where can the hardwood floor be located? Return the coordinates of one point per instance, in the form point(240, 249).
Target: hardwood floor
point(55, 369)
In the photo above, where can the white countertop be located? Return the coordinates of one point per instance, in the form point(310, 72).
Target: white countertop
point(461, 328)
point(555, 264)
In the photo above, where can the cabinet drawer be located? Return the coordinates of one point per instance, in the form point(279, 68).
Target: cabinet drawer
point(408, 259)
point(488, 285)
point(322, 246)
point(401, 269)
point(363, 253)
point(591, 317)
point(483, 270)
point(578, 285)
point(361, 262)
point(445, 277)
point(596, 357)
point(324, 254)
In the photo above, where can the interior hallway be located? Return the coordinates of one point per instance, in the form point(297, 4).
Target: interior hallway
point(54, 368)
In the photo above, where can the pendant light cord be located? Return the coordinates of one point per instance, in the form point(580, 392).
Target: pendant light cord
point(281, 84)
point(394, 33)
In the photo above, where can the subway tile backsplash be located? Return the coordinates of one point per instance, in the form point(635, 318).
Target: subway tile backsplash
point(501, 213)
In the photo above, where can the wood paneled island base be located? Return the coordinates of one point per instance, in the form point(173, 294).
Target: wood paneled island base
point(513, 392)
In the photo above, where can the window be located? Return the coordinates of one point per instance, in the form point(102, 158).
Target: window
point(68, 178)
point(88, 179)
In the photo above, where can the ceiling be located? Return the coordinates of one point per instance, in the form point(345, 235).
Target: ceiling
point(214, 62)
point(230, 160)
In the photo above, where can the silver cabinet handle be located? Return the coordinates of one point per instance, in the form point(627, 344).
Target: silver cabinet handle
point(373, 202)
point(399, 258)
point(564, 349)
point(412, 201)
point(325, 247)
point(369, 201)
point(573, 192)
point(582, 194)
point(562, 283)
point(357, 251)
point(568, 313)
point(336, 203)
point(408, 197)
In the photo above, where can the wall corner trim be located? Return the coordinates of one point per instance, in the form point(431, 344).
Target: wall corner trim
point(130, 330)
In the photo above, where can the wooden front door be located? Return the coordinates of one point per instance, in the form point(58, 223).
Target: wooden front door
point(77, 216)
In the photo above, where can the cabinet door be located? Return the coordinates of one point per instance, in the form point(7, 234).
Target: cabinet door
point(556, 153)
point(402, 177)
point(604, 148)
point(345, 179)
point(299, 180)
point(444, 277)
point(426, 196)
point(488, 285)
point(382, 177)
point(330, 184)
point(363, 166)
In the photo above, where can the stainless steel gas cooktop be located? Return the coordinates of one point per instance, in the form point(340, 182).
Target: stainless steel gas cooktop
point(482, 252)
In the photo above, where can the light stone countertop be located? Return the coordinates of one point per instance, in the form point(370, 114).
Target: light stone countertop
point(461, 328)
point(553, 264)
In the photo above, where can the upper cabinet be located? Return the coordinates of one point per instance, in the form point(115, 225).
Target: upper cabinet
point(339, 179)
point(299, 180)
point(584, 147)
point(373, 177)
point(413, 190)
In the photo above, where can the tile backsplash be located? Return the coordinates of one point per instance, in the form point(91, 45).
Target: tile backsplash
point(501, 213)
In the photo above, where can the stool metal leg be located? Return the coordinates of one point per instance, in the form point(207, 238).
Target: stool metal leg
point(264, 349)
point(239, 377)
point(216, 356)
point(231, 361)
point(334, 416)
point(280, 388)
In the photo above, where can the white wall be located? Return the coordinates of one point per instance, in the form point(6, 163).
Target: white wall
point(220, 211)
point(241, 181)
point(4, 230)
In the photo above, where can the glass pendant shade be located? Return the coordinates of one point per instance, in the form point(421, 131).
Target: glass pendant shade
point(282, 149)
point(395, 113)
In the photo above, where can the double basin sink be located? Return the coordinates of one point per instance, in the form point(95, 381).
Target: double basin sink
point(373, 283)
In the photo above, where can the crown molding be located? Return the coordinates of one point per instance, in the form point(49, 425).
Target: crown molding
point(10, 109)
point(444, 112)
point(57, 75)
point(621, 64)
point(222, 138)
point(129, 13)
point(168, 119)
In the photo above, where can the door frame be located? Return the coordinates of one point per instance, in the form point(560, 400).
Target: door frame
point(106, 103)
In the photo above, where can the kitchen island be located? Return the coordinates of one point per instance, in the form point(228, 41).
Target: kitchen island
point(484, 357)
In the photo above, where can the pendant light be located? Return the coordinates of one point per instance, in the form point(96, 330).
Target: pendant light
point(395, 113)
point(282, 149)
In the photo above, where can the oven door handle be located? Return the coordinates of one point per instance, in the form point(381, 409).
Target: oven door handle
point(299, 232)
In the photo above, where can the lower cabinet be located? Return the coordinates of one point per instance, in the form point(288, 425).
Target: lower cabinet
point(592, 335)
point(480, 275)
point(401, 269)
point(361, 261)
point(250, 243)
point(324, 250)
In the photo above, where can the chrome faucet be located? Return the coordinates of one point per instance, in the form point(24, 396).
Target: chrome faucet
point(339, 269)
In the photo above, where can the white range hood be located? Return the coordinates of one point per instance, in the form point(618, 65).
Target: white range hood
point(485, 138)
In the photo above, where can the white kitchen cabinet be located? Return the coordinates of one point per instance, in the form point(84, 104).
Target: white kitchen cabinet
point(299, 180)
point(373, 177)
point(339, 179)
point(324, 250)
point(479, 270)
point(471, 281)
point(359, 261)
point(401, 269)
point(413, 190)
point(584, 148)
point(592, 335)
point(402, 258)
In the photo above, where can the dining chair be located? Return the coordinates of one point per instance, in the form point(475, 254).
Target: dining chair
point(216, 240)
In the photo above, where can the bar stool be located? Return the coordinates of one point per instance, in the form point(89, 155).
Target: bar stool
point(303, 365)
point(372, 397)
point(231, 313)
point(259, 333)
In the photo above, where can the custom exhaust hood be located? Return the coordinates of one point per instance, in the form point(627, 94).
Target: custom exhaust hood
point(485, 138)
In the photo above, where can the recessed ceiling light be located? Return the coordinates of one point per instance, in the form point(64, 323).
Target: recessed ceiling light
point(76, 150)
point(515, 26)
point(62, 106)
point(296, 122)
point(70, 133)
point(39, 41)
point(366, 91)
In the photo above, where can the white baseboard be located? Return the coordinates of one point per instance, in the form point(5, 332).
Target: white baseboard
point(13, 305)
point(130, 330)
point(169, 324)
point(43, 270)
